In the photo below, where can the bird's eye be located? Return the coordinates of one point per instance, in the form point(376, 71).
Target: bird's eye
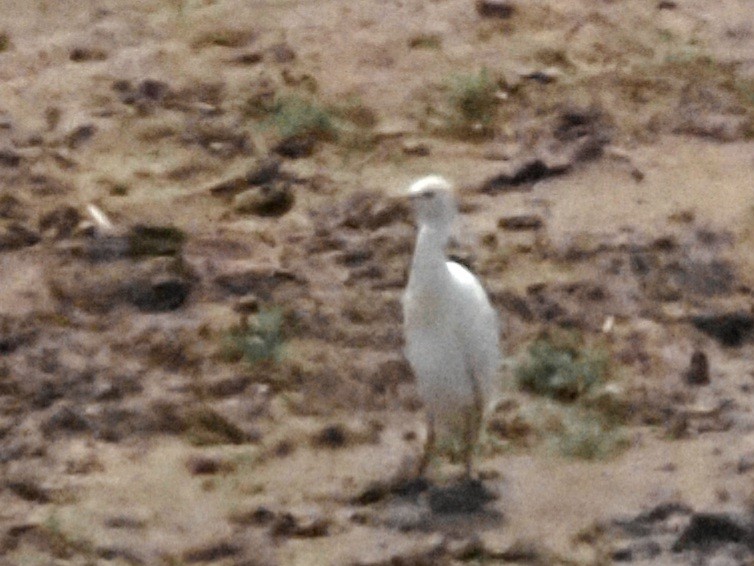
point(428, 195)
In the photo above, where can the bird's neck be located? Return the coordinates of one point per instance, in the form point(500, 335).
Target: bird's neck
point(429, 254)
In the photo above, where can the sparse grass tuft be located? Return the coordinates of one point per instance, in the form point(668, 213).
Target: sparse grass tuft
point(294, 116)
point(5, 42)
point(425, 41)
point(561, 371)
point(472, 98)
point(587, 437)
point(259, 342)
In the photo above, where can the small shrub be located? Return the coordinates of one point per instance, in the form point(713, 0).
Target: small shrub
point(298, 117)
point(588, 438)
point(260, 341)
point(561, 372)
point(472, 98)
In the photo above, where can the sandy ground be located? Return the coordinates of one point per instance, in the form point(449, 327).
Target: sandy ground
point(132, 431)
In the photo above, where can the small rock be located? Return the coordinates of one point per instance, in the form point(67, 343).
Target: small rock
point(731, 329)
point(83, 54)
point(11, 208)
point(416, 148)
point(14, 236)
point(667, 5)
point(647, 549)
point(745, 463)
point(272, 199)
point(229, 187)
point(247, 58)
point(203, 465)
point(212, 552)
point(466, 549)
point(15, 332)
point(264, 171)
point(152, 89)
point(9, 158)
point(545, 76)
point(308, 523)
point(331, 436)
point(521, 222)
point(163, 293)
point(698, 372)
point(244, 278)
point(60, 222)
point(229, 386)
point(282, 53)
point(709, 529)
point(495, 8)
point(467, 496)
point(65, 419)
point(719, 127)
point(296, 147)
point(146, 240)
point(79, 135)
point(523, 175)
point(28, 489)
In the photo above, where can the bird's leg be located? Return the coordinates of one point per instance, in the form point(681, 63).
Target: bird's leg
point(473, 424)
point(429, 446)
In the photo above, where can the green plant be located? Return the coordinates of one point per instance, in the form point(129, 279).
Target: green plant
point(560, 371)
point(587, 437)
point(294, 116)
point(473, 99)
point(260, 341)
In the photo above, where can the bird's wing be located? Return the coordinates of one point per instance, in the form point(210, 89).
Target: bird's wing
point(478, 333)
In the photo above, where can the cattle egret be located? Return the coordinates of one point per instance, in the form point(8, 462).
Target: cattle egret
point(451, 329)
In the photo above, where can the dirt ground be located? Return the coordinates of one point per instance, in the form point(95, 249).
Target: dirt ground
point(215, 375)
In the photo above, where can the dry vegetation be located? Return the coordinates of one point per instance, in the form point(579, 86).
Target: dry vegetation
point(217, 377)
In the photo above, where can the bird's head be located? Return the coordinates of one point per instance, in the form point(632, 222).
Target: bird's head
point(434, 202)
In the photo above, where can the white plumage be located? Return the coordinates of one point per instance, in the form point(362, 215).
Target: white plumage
point(451, 330)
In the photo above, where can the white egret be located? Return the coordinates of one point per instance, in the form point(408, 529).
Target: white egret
point(450, 327)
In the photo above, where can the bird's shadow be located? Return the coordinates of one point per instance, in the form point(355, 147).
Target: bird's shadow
point(421, 504)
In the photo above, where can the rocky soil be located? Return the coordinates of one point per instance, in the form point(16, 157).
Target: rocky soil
point(203, 247)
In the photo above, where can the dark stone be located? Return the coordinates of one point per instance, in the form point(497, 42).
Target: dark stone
point(211, 552)
point(526, 174)
point(698, 372)
point(638, 550)
point(331, 436)
point(151, 89)
point(296, 147)
point(264, 171)
point(155, 240)
point(229, 386)
point(502, 9)
point(272, 199)
point(282, 53)
point(203, 465)
point(162, 295)
point(730, 329)
point(65, 419)
point(9, 158)
point(28, 489)
point(14, 236)
point(83, 54)
point(711, 529)
point(520, 222)
point(62, 221)
point(15, 333)
point(46, 394)
point(80, 135)
point(466, 496)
